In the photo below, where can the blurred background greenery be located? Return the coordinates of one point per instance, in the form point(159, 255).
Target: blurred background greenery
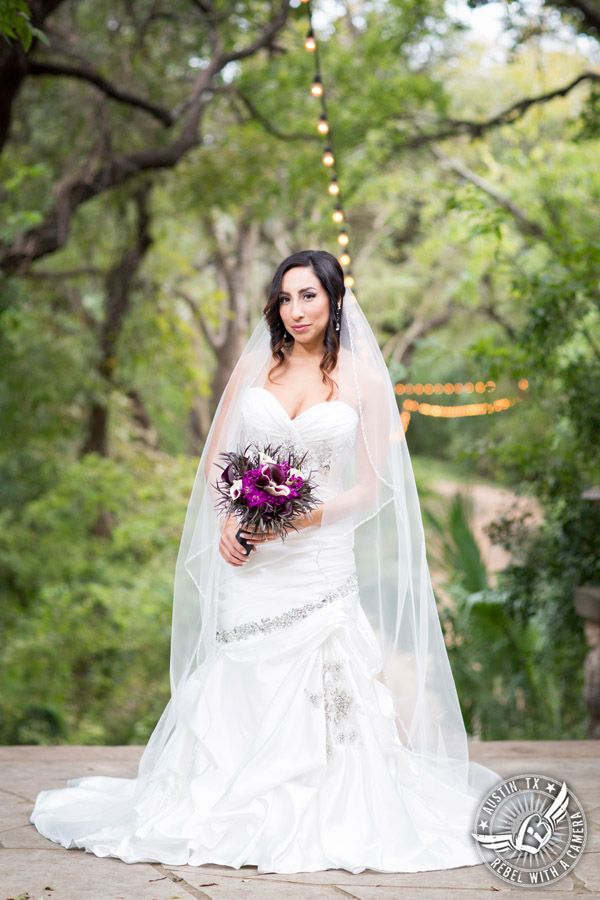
point(152, 177)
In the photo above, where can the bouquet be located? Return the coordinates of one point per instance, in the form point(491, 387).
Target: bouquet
point(265, 489)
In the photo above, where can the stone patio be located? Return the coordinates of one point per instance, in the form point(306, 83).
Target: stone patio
point(32, 867)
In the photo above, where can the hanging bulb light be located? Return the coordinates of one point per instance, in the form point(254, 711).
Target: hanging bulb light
point(317, 87)
point(334, 187)
point(323, 126)
point(338, 215)
point(343, 238)
point(344, 259)
point(349, 280)
point(328, 158)
point(310, 42)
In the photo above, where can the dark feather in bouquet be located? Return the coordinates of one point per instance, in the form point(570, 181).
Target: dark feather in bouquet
point(265, 488)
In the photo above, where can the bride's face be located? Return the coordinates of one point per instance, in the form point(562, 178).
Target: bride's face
point(303, 301)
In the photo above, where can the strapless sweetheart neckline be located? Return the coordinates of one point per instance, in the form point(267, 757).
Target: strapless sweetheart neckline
point(314, 406)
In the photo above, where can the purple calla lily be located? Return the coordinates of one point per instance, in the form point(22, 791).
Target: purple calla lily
point(228, 475)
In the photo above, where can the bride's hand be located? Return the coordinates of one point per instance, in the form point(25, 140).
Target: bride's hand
point(230, 548)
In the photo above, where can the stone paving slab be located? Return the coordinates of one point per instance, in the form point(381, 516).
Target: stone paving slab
point(33, 867)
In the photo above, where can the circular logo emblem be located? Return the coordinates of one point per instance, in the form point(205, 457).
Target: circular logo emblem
point(530, 830)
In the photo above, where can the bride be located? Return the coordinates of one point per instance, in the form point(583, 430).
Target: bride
point(313, 721)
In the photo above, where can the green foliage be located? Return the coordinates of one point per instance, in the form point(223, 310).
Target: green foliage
point(510, 675)
point(507, 643)
point(459, 551)
point(86, 617)
point(15, 23)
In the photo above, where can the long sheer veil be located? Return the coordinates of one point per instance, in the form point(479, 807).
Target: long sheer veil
point(376, 506)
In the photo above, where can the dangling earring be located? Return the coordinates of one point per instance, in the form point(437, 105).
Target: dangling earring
point(337, 319)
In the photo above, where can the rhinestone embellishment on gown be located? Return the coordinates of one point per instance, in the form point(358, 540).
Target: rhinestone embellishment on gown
point(289, 617)
point(339, 705)
point(320, 454)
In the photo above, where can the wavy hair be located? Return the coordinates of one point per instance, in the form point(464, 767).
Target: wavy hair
point(329, 272)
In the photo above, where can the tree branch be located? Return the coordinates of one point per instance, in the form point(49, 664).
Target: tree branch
point(233, 90)
point(73, 191)
point(103, 85)
point(263, 40)
point(400, 348)
point(524, 224)
point(59, 275)
point(200, 321)
point(457, 127)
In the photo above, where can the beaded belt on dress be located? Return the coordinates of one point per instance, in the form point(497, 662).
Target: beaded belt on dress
point(290, 617)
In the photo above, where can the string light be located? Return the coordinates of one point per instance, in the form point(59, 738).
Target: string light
point(451, 388)
point(317, 88)
point(452, 412)
point(328, 157)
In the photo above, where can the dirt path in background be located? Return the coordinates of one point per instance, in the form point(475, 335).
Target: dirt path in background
point(489, 503)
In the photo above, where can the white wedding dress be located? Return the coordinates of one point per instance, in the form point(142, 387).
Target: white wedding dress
point(285, 754)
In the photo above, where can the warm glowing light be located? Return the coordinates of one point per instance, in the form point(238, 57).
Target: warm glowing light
point(456, 388)
point(317, 88)
point(344, 260)
point(343, 238)
point(310, 42)
point(323, 126)
point(328, 158)
point(472, 409)
point(454, 412)
point(338, 215)
point(334, 187)
point(349, 280)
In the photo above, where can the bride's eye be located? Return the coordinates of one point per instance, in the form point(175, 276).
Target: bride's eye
point(306, 297)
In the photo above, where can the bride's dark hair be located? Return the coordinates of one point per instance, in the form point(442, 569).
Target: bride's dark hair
point(330, 273)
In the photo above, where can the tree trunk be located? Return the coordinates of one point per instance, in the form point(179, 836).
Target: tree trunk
point(117, 300)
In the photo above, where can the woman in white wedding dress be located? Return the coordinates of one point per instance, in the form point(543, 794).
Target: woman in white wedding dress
point(313, 720)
